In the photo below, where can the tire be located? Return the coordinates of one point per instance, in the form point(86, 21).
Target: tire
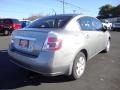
point(6, 32)
point(110, 28)
point(79, 65)
point(107, 49)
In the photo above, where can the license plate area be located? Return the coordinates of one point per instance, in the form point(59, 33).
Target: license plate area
point(23, 43)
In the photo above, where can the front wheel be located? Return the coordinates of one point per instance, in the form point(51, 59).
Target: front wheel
point(107, 49)
point(79, 65)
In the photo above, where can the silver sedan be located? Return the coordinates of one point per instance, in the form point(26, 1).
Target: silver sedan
point(59, 44)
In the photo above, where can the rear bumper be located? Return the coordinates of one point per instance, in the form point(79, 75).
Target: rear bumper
point(43, 64)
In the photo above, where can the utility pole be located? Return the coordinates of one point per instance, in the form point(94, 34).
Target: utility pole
point(63, 7)
point(70, 4)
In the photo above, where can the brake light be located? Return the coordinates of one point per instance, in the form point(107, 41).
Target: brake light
point(52, 39)
point(16, 26)
point(52, 43)
point(10, 26)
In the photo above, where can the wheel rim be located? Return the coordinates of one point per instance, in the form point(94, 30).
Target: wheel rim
point(6, 32)
point(80, 66)
point(108, 46)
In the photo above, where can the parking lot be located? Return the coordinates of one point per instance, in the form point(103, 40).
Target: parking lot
point(102, 72)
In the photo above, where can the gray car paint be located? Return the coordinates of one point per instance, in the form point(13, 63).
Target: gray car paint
point(61, 61)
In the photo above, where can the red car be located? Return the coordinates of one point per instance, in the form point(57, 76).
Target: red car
point(8, 25)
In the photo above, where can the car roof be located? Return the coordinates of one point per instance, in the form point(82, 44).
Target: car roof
point(60, 15)
point(24, 20)
point(66, 15)
point(8, 18)
point(69, 15)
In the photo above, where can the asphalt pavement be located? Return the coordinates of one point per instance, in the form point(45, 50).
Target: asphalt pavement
point(102, 72)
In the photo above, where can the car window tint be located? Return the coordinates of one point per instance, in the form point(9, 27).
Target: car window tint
point(5, 21)
point(51, 22)
point(15, 21)
point(86, 23)
point(1, 21)
point(97, 25)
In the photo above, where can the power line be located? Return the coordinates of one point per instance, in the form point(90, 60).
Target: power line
point(66, 3)
point(63, 3)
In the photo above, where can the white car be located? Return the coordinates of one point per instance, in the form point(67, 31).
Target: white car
point(107, 24)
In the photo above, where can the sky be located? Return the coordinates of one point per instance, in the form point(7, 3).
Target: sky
point(24, 8)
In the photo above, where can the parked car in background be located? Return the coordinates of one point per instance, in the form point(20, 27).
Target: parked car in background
point(7, 25)
point(116, 25)
point(59, 44)
point(107, 24)
point(25, 23)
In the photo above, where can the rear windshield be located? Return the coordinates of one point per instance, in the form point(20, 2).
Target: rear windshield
point(51, 22)
point(5, 21)
point(16, 21)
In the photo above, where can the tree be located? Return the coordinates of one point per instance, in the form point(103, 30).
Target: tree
point(105, 11)
point(33, 17)
point(116, 11)
point(108, 11)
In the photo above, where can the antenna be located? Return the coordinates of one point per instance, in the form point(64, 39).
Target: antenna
point(54, 11)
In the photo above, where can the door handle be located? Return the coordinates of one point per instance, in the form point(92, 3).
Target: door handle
point(86, 36)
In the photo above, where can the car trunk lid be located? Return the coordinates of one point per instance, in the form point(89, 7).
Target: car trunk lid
point(29, 41)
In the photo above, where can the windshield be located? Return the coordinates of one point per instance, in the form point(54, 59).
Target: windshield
point(51, 22)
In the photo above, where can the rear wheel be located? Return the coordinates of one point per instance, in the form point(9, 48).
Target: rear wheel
point(78, 66)
point(6, 32)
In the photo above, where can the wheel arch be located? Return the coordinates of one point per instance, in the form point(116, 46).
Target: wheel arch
point(86, 55)
point(85, 52)
point(109, 38)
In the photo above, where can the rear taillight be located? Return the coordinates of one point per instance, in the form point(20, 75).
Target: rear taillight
point(52, 43)
point(11, 26)
point(16, 26)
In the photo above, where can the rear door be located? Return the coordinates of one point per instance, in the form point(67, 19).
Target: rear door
point(91, 39)
point(101, 36)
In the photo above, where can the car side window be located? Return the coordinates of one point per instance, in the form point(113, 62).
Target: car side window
point(86, 24)
point(97, 25)
point(15, 21)
point(7, 21)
